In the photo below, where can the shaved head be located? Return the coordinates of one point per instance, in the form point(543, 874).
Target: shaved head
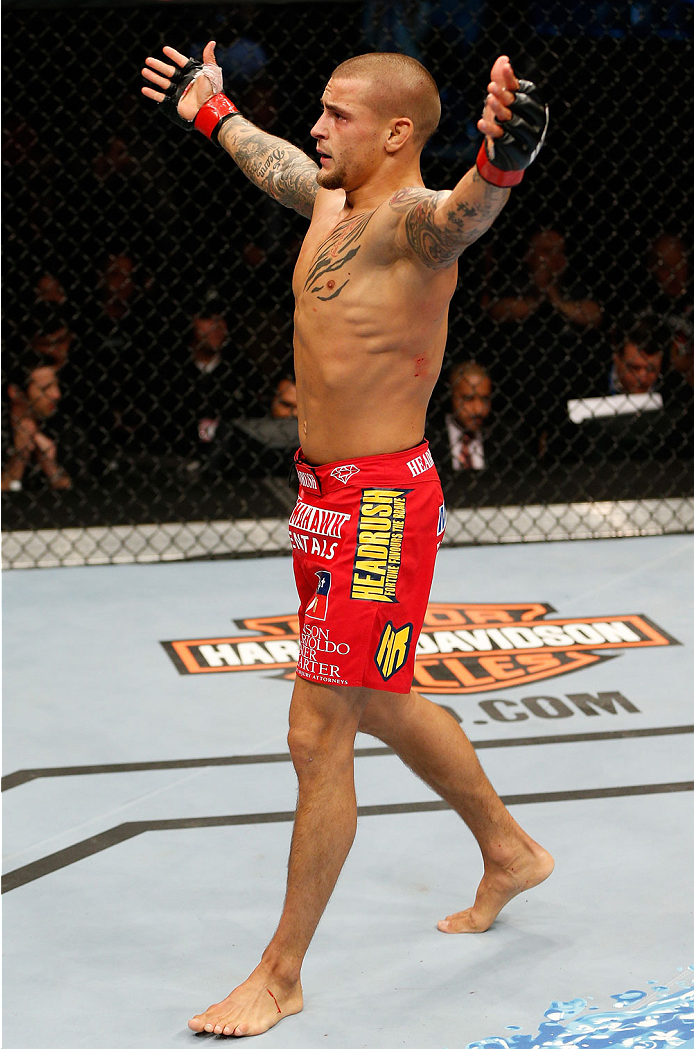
point(398, 86)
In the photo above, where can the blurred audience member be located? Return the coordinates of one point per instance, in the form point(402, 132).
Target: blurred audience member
point(556, 336)
point(471, 401)
point(52, 336)
point(120, 370)
point(284, 400)
point(668, 264)
point(200, 401)
point(117, 286)
point(637, 360)
point(114, 160)
point(547, 264)
point(34, 395)
point(49, 289)
point(268, 442)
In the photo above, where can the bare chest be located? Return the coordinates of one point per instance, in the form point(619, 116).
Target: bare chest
point(333, 257)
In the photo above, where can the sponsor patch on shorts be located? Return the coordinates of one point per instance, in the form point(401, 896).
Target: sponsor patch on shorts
point(393, 649)
point(307, 479)
point(343, 473)
point(421, 463)
point(317, 607)
point(441, 527)
point(379, 544)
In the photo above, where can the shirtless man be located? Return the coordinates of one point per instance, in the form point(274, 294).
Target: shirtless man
point(372, 283)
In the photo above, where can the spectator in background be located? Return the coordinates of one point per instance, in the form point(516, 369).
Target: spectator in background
point(602, 426)
point(117, 287)
point(34, 395)
point(269, 441)
point(637, 359)
point(547, 334)
point(284, 400)
point(120, 362)
point(49, 289)
point(471, 402)
point(200, 400)
point(52, 336)
point(668, 265)
point(546, 293)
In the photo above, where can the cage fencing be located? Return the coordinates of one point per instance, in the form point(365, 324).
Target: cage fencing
point(149, 282)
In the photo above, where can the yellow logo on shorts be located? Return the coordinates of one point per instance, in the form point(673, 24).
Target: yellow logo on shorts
point(379, 544)
point(393, 649)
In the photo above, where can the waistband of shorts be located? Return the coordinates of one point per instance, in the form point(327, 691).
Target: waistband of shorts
point(412, 466)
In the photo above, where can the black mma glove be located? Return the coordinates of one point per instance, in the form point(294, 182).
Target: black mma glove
point(523, 137)
point(180, 82)
point(211, 115)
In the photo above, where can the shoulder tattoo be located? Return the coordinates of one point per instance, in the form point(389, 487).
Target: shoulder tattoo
point(438, 243)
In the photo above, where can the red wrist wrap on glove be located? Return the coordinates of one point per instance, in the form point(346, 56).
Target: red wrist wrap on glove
point(212, 113)
point(492, 174)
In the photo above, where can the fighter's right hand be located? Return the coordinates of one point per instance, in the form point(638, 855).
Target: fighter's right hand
point(182, 85)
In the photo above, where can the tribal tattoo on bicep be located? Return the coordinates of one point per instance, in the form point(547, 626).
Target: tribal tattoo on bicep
point(281, 170)
point(437, 242)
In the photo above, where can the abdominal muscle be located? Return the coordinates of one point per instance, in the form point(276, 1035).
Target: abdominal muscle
point(364, 378)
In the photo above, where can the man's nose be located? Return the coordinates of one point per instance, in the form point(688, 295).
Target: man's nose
point(318, 129)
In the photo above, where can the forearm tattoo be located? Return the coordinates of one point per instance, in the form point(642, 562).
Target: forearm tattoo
point(281, 170)
point(438, 242)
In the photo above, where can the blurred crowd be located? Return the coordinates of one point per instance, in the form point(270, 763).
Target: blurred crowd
point(556, 376)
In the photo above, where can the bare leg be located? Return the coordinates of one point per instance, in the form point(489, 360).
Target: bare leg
point(438, 751)
point(322, 726)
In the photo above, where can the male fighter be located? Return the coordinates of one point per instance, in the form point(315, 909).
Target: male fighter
point(372, 283)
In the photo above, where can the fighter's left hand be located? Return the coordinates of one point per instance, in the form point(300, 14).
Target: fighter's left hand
point(500, 94)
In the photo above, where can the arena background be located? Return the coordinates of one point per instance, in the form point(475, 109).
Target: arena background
point(107, 197)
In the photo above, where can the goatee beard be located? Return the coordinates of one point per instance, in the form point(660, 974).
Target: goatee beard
point(331, 179)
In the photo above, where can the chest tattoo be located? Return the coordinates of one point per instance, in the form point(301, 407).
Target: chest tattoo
point(333, 255)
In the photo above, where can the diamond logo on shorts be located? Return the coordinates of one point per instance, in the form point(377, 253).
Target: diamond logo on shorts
point(343, 473)
point(393, 649)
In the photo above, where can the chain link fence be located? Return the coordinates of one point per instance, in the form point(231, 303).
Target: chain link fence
point(149, 282)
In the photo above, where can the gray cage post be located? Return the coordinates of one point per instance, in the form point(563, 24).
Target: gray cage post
point(128, 244)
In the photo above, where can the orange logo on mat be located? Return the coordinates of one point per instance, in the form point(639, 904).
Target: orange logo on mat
point(463, 648)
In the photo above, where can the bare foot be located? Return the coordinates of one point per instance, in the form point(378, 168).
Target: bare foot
point(499, 885)
point(252, 1008)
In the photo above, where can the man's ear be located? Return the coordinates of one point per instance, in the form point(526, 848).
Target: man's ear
point(400, 131)
point(13, 391)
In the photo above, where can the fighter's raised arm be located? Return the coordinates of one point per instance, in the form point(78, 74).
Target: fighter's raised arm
point(190, 93)
point(439, 226)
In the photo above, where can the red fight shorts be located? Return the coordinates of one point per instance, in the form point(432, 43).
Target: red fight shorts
point(364, 536)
